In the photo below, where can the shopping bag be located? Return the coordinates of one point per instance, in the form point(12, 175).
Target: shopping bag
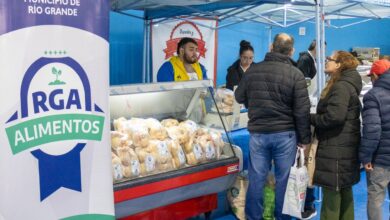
point(294, 198)
point(236, 196)
point(311, 161)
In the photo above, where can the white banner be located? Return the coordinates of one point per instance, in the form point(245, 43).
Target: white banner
point(166, 35)
point(54, 116)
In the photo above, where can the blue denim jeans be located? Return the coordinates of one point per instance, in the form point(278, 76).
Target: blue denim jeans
point(263, 148)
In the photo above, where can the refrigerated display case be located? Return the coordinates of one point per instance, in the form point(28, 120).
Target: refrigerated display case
point(174, 108)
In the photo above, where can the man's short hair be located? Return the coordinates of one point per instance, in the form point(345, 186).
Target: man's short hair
point(313, 45)
point(183, 42)
point(283, 43)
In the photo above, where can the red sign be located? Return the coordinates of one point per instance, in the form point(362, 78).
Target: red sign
point(172, 42)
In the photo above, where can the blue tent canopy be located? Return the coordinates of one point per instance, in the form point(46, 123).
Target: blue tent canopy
point(281, 13)
point(164, 9)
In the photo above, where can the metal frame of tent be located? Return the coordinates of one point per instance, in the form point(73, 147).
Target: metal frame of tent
point(280, 13)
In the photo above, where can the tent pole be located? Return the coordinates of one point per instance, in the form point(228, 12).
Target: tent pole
point(144, 63)
point(322, 22)
point(285, 16)
point(148, 52)
point(269, 36)
point(320, 74)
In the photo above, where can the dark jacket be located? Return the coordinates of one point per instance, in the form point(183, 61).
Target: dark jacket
point(375, 146)
point(337, 125)
point(276, 95)
point(306, 64)
point(234, 74)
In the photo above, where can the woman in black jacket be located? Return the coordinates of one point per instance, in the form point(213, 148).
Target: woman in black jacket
point(238, 68)
point(337, 125)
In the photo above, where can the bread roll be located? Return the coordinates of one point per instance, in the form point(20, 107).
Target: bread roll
point(191, 126)
point(119, 124)
point(181, 134)
point(140, 136)
point(191, 160)
point(188, 147)
point(124, 155)
point(147, 161)
point(127, 171)
point(169, 122)
point(119, 139)
point(156, 130)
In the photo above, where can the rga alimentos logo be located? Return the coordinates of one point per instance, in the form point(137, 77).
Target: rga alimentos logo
point(56, 105)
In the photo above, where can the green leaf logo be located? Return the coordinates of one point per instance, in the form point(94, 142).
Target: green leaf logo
point(57, 73)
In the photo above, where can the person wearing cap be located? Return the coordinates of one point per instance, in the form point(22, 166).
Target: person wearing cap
point(374, 151)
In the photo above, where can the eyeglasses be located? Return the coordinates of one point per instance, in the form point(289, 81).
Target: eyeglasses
point(328, 59)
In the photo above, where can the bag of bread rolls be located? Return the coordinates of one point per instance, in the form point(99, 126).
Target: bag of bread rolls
point(228, 97)
point(147, 161)
point(196, 155)
point(133, 170)
point(133, 123)
point(193, 151)
point(179, 134)
point(130, 162)
point(178, 156)
point(119, 124)
point(119, 139)
point(139, 135)
point(191, 126)
point(124, 155)
point(218, 142)
point(170, 122)
point(117, 170)
point(162, 154)
point(209, 150)
point(207, 145)
point(156, 130)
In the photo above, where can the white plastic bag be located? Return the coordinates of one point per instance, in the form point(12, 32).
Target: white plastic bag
point(294, 198)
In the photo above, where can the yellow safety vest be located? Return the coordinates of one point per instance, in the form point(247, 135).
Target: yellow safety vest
point(180, 73)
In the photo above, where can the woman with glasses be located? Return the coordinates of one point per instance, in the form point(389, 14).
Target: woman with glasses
point(337, 126)
point(238, 68)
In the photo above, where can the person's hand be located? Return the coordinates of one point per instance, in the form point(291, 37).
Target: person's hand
point(369, 167)
point(304, 146)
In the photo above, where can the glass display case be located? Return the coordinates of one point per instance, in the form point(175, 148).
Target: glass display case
point(234, 115)
point(164, 144)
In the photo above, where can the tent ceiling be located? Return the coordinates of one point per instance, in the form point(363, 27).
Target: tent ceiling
point(281, 13)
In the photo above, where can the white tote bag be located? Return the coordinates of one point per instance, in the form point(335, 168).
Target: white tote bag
point(294, 198)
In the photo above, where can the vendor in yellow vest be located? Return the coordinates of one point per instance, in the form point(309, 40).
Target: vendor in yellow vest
point(184, 66)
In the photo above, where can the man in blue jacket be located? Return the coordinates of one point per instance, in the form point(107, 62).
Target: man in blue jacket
point(374, 151)
point(185, 66)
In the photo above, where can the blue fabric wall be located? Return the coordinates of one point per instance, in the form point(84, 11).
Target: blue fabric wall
point(126, 43)
point(126, 48)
